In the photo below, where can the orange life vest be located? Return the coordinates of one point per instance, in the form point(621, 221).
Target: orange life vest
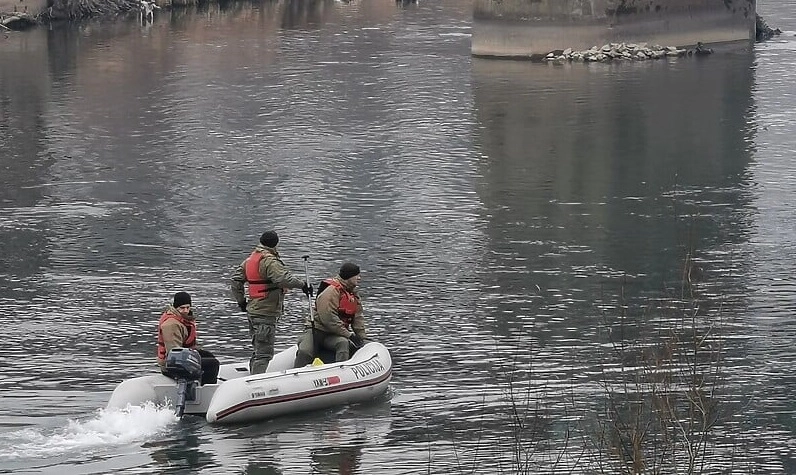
point(189, 342)
point(258, 288)
point(348, 305)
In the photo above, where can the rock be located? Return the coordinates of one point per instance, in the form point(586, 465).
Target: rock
point(702, 50)
point(623, 51)
point(762, 31)
point(18, 21)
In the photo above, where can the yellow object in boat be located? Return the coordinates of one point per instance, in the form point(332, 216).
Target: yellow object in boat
point(317, 362)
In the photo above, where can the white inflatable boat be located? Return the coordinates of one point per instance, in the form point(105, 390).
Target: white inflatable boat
point(240, 397)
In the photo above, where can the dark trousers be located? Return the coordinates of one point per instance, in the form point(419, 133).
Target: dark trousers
point(209, 367)
point(313, 342)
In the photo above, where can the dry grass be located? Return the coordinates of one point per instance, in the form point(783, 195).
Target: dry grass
point(79, 9)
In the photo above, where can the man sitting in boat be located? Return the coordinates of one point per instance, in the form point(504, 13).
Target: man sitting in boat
point(338, 322)
point(177, 328)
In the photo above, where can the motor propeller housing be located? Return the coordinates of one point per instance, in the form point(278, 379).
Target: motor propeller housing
point(184, 363)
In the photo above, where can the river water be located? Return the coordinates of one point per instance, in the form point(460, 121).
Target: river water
point(503, 213)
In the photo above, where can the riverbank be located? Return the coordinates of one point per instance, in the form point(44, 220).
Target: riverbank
point(39, 11)
point(17, 14)
point(32, 7)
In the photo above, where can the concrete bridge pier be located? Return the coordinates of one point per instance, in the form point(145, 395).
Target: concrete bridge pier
point(533, 28)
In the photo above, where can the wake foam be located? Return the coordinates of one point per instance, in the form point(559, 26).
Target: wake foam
point(110, 427)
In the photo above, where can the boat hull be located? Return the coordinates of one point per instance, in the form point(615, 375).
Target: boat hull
point(240, 396)
point(363, 377)
point(162, 390)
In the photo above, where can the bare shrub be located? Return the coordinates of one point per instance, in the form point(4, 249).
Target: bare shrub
point(662, 385)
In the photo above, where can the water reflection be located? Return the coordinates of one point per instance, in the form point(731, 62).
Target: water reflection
point(182, 453)
point(597, 164)
point(261, 468)
point(602, 175)
point(306, 14)
point(344, 460)
point(24, 91)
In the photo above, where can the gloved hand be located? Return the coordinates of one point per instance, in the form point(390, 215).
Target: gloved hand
point(356, 340)
point(242, 306)
point(308, 290)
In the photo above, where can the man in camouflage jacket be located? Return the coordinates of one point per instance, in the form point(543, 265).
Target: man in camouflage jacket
point(267, 280)
point(338, 322)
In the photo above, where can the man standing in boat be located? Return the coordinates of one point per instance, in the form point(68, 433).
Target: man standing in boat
point(338, 322)
point(177, 329)
point(267, 278)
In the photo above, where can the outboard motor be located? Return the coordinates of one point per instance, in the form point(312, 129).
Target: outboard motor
point(184, 365)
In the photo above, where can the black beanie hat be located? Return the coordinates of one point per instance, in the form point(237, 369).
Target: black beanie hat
point(269, 239)
point(181, 298)
point(348, 270)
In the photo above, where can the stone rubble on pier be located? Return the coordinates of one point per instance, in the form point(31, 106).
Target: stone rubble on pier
point(621, 51)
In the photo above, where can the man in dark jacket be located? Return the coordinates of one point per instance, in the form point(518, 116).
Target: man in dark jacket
point(338, 322)
point(267, 278)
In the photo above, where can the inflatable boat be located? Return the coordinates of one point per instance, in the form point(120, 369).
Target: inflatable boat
point(281, 390)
